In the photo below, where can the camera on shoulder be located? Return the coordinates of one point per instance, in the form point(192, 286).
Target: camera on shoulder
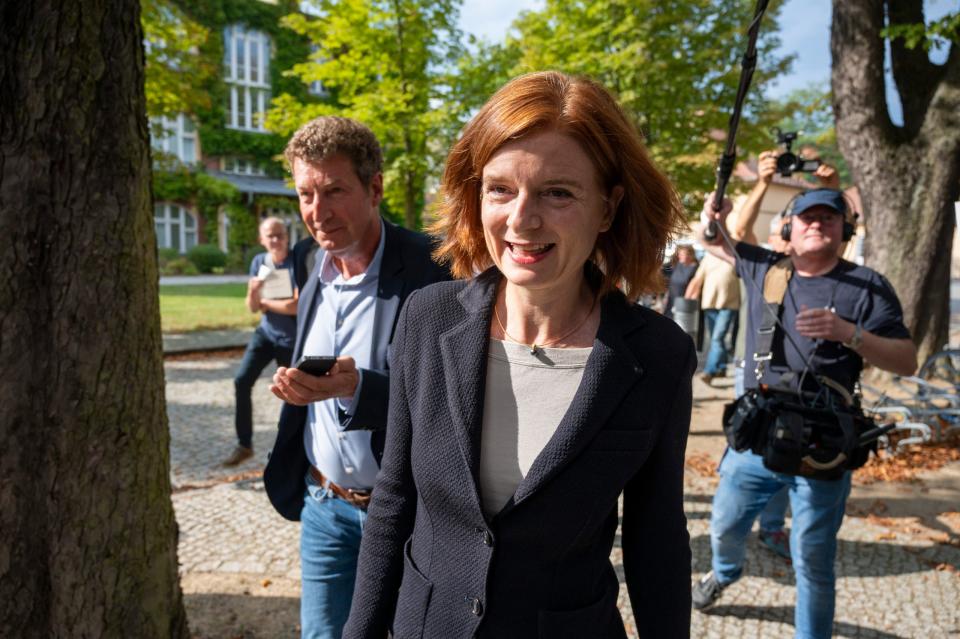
point(788, 162)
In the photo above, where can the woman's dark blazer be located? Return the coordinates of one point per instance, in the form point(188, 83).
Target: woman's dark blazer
point(432, 565)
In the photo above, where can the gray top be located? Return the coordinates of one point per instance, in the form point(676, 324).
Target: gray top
point(526, 397)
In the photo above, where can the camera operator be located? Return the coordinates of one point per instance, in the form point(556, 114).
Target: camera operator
point(837, 314)
point(771, 533)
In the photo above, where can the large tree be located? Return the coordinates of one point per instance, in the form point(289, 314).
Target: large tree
point(909, 173)
point(88, 535)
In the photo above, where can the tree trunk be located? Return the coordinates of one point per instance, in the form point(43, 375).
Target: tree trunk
point(909, 175)
point(87, 533)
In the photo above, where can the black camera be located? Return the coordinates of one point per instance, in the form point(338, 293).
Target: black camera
point(788, 162)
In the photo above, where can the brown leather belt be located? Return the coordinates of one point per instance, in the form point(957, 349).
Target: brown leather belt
point(359, 498)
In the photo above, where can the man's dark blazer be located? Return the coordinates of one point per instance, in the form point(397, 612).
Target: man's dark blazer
point(433, 566)
point(405, 266)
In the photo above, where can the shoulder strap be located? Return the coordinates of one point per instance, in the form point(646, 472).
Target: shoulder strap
point(774, 291)
point(268, 260)
point(776, 280)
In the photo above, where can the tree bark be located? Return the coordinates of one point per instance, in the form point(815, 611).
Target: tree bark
point(87, 532)
point(909, 175)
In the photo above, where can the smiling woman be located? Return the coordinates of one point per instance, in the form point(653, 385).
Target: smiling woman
point(525, 399)
point(496, 507)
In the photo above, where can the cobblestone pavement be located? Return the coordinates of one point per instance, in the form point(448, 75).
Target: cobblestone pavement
point(896, 576)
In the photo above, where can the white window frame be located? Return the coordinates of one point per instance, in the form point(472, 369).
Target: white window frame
point(175, 133)
point(241, 166)
point(316, 87)
point(249, 85)
point(168, 213)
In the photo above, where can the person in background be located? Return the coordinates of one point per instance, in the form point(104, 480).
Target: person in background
point(837, 314)
point(679, 275)
point(772, 519)
point(273, 338)
point(716, 285)
point(332, 427)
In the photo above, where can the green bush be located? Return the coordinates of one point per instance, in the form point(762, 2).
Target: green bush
point(207, 257)
point(165, 255)
point(179, 266)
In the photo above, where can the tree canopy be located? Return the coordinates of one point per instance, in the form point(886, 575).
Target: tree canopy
point(674, 64)
point(175, 73)
point(387, 64)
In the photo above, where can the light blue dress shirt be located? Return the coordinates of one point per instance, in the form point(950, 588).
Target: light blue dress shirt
point(343, 325)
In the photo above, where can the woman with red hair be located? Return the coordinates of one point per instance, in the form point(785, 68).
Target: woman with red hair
point(528, 396)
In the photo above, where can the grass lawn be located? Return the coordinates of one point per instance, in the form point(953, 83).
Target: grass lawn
point(193, 308)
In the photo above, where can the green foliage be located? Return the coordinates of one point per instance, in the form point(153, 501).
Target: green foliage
point(175, 74)
point(179, 266)
point(206, 257)
point(674, 65)
point(929, 36)
point(241, 237)
point(810, 112)
point(165, 256)
point(387, 63)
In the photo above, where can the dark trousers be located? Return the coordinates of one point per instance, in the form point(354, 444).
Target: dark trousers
point(260, 351)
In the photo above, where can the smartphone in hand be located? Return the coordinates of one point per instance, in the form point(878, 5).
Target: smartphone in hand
point(317, 365)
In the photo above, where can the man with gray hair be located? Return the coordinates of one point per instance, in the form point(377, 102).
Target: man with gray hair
point(273, 338)
point(332, 426)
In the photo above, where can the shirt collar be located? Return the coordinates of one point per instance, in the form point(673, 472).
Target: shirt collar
point(329, 272)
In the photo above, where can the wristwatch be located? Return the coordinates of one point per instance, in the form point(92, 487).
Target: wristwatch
point(857, 340)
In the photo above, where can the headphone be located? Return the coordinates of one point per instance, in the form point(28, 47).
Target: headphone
point(849, 230)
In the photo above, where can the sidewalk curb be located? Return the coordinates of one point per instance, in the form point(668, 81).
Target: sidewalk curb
point(205, 340)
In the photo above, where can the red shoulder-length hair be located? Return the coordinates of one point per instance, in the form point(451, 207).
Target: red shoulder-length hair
point(630, 254)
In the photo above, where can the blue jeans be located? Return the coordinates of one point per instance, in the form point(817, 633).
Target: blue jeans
point(773, 515)
point(718, 322)
point(330, 533)
point(260, 351)
point(745, 488)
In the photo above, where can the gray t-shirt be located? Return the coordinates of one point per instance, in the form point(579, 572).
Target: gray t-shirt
point(857, 293)
point(525, 399)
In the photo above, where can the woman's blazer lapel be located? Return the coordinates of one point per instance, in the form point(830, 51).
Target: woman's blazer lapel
point(464, 352)
point(612, 371)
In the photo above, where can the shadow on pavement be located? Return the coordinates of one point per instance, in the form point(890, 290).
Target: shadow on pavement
point(221, 615)
point(784, 614)
point(873, 559)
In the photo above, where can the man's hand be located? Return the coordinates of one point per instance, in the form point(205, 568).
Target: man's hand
point(766, 166)
point(708, 214)
point(296, 387)
point(827, 177)
point(254, 284)
point(822, 323)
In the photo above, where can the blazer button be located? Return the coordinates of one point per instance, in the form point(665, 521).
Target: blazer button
point(476, 607)
point(487, 538)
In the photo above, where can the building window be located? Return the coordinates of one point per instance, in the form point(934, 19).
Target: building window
point(316, 87)
point(176, 137)
point(176, 227)
point(247, 68)
point(241, 166)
